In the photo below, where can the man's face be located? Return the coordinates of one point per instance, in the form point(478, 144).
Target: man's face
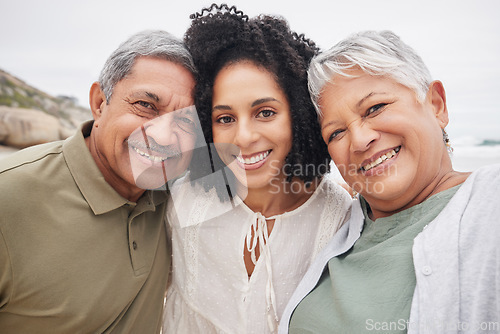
point(156, 162)
point(146, 133)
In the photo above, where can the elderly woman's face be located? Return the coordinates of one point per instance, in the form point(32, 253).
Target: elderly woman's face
point(387, 145)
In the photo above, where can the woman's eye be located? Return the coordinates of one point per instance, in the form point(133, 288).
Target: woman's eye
point(335, 135)
point(266, 113)
point(224, 119)
point(375, 108)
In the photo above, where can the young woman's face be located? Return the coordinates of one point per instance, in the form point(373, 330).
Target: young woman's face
point(251, 124)
point(387, 145)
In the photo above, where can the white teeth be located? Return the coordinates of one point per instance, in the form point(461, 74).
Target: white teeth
point(153, 158)
point(384, 157)
point(254, 159)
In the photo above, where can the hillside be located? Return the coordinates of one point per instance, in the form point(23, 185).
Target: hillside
point(29, 116)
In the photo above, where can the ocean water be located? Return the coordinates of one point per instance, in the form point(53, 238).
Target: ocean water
point(469, 154)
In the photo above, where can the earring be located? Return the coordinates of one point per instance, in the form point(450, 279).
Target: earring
point(354, 194)
point(447, 141)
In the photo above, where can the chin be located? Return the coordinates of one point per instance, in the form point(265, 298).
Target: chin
point(150, 179)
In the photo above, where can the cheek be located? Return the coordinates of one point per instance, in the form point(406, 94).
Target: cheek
point(287, 139)
point(187, 142)
point(339, 153)
point(184, 163)
point(340, 157)
point(284, 134)
point(219, 135)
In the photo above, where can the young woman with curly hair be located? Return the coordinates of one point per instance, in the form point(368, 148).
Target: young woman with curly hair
point(234, 270)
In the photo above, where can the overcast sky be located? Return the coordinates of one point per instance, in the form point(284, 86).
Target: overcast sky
point(59, 46)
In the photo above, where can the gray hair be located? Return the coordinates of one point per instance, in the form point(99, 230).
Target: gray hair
point(376, 53)
point(153, 43)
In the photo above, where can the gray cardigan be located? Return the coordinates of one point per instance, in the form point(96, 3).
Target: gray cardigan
point(456, 259)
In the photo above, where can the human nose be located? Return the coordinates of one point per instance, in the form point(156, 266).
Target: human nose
point(362, 136)
point(246, 134)
point(162, 129)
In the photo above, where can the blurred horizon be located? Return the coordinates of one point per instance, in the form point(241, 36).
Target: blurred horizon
point(60, 46)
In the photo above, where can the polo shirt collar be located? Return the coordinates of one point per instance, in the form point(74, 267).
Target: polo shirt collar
point(100, 196)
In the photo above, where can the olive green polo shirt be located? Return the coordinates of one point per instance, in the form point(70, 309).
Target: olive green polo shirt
point(75, 256)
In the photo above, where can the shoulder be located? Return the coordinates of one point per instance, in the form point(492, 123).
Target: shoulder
point(486, 176)
point(190, 204)
point(479, 187)
point(30, 155)
point(480, 190)
point(473, 211)
point(334, 192)
point(29, 170)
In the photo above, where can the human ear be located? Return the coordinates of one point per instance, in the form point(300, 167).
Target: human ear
point(437, 97)
point(97, 100)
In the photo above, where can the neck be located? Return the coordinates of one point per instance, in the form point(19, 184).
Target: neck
point(130, 192)
point(446, 178)
point(278, 198)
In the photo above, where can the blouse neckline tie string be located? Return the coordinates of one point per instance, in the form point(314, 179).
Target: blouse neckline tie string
point(259, 230)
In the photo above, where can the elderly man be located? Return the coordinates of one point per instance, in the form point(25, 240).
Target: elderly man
point(83, 247)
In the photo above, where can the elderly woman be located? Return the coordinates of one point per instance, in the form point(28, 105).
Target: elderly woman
point(420, 252)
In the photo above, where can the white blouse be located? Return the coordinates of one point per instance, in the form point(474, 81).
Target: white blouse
point(210, 291)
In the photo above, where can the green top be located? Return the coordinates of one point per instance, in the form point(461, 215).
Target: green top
point(75, 256)
point(370, 287)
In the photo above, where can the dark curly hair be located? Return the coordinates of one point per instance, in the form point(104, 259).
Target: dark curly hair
point(222, 35)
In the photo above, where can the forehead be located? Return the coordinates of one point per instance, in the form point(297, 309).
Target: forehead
point(245, 80)
point(155, 71)
point(354, 90)
point(157, 80)
point(245, 71)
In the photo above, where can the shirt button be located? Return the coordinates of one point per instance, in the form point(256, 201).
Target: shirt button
point(426, 270)
point(134, 245)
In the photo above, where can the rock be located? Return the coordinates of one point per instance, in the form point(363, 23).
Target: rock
point(21, 127)
point(29, 116)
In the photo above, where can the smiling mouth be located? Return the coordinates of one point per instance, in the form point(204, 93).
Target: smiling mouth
point(253, 159)
point(154, 158)
point(381, 159)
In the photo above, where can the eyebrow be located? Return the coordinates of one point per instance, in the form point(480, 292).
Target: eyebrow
point(146, 94)
point(187, 110)
point(264, 100)
point(358, 105)
point(367, 97)
point(254, 103)
point(221, 107)
point(328, 124)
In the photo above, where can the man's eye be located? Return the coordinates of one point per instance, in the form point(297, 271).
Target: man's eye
point(145, 104)
point(185, 124)
point(186, 120)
